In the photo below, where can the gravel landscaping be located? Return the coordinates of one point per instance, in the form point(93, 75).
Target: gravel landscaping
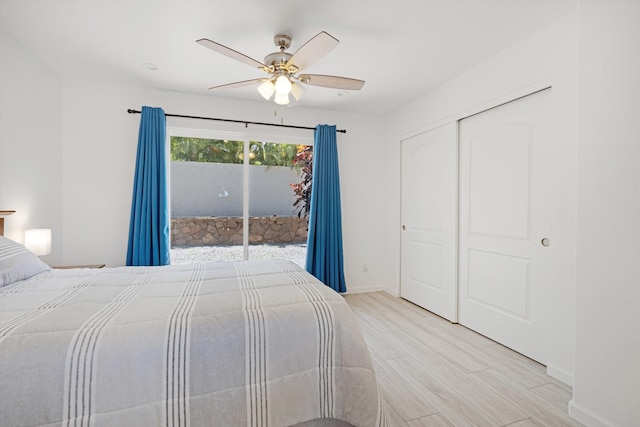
point(189, 255)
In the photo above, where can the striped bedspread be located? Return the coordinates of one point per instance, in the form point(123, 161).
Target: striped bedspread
point(219, 344)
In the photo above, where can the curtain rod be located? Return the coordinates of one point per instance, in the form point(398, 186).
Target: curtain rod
point(246, 123)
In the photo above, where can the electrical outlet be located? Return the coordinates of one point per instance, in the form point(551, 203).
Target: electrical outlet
point(365, 267)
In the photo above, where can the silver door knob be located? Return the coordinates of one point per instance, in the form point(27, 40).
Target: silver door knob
point(545, 242)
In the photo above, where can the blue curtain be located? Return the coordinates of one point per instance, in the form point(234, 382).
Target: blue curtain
point(149, 238)
point(324, 240)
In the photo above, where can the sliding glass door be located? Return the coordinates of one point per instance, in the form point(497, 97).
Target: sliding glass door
point(235, 198)
point(275, 230)
point(207, 199)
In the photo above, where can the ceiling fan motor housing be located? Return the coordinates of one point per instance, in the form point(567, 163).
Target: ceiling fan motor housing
point(277, 59)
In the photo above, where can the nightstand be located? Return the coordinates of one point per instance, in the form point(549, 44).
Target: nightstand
point(64, 267)
point(2, 215)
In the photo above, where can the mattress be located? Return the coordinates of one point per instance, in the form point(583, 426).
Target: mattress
point(256, 343)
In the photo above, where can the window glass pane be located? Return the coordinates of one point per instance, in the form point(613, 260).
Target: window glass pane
point(276, 231)
point(206, 200)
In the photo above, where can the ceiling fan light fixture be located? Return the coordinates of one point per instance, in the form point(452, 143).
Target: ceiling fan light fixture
point(266, 89)
point(297, 90)
point(283, 68)
point(283, 85)
point(281, 98)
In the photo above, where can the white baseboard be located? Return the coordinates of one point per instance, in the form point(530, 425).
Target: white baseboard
point(560, 374)
point(587, 417)
point(392, 291)
point(363, 289)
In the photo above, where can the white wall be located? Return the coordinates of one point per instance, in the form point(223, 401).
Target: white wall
point(30, 145)
point(546, 58)
point(100, 140)
point(607, 386)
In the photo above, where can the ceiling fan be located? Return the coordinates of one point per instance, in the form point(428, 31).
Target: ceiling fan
point(283, 68)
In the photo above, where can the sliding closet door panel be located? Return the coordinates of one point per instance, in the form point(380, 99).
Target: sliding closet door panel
point(499, 206)
point(505, 194)
point(429, 205)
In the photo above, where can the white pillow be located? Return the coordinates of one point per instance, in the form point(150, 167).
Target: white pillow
point(17, 262)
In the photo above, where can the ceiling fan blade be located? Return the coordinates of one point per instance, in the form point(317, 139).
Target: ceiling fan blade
point(311, 51)
point(234, 85)
point(334, 82)
point(234, 54)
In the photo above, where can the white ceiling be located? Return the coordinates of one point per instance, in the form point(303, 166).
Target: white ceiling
point(401, 48)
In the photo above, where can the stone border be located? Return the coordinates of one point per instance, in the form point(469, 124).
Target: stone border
point(214, 231)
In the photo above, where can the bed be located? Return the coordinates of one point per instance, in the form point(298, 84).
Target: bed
point(251, 343)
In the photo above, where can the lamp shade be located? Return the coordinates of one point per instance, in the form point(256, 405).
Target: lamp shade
point(283, 85)
point(297, 90)
point(266, 89)
point(281, 98)
point(38, 241)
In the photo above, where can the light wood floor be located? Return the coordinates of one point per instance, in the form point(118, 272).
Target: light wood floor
point(434, 373)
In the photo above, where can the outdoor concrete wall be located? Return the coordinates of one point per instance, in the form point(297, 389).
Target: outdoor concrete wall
point(201, 189)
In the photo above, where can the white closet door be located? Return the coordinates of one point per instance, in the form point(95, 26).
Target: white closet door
point(505, 213)
point(429, 220)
